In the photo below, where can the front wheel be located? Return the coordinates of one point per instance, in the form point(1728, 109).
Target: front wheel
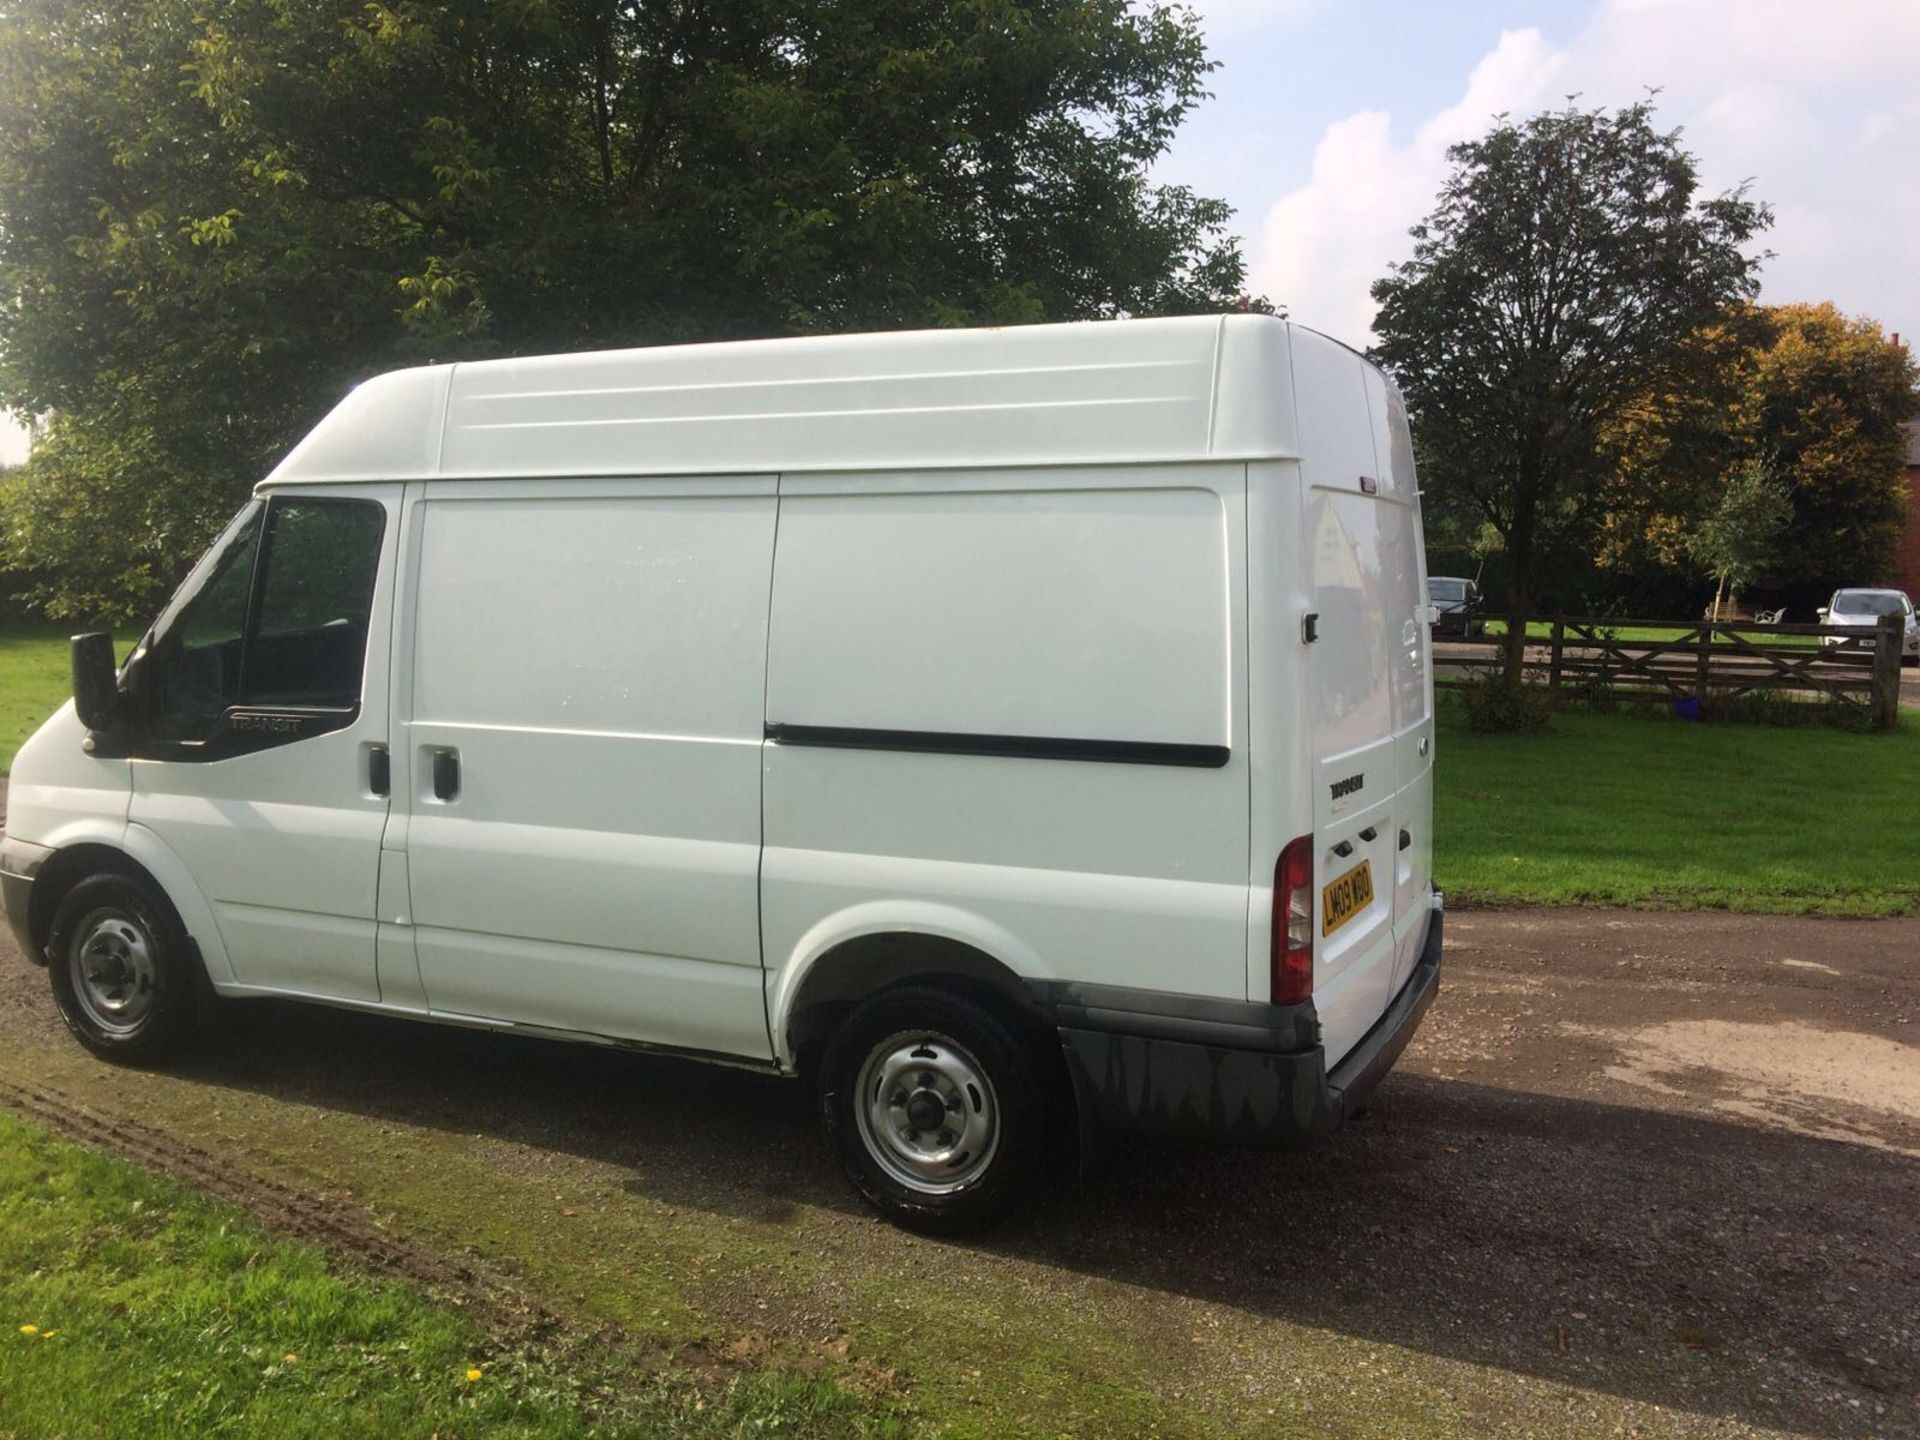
point(936, 1108)
point(122, 976)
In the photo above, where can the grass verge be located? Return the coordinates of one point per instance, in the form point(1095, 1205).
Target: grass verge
point(34, 679)
point(1630, 810)
point(132, 1306)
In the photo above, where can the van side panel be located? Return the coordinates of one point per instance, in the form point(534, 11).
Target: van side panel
point(1084, 624)
point(595, 654)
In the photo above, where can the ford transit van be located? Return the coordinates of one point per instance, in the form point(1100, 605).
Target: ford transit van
point(1012, 732)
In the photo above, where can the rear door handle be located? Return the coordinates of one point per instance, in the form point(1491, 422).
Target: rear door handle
point(446, 774)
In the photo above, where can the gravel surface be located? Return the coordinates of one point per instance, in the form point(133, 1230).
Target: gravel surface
point(1639, 1174)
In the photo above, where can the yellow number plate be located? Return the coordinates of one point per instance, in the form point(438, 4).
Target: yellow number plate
point(1342, 899)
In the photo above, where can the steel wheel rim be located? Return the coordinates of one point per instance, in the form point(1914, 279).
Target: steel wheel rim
point(904, 1078)
point(111, 963)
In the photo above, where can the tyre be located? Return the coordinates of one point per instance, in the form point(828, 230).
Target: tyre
point(122, 973)
point(936, 1108)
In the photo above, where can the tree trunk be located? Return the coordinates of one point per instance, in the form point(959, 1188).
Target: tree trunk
point(1519, 607)
point(1719, 591)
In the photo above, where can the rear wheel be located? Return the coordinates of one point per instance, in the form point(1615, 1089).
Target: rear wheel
point(936, 1108)
point(121, 972)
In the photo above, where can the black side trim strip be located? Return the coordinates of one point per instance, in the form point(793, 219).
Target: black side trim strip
point(1188, 1019)
point(1024, 747)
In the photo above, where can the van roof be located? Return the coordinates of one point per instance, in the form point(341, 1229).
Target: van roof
point(1196, 388)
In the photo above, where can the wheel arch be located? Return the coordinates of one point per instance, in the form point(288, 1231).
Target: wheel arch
point(141, 854)
point(819, 986)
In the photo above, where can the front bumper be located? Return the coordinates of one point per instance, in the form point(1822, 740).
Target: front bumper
point(19, 864)
point(1244, 1074)
point(1868, 640)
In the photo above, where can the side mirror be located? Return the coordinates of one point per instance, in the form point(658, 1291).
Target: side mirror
point(1822, 613)
point(96, 688)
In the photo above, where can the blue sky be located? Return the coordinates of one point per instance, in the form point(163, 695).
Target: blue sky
point(1289, 71)
point(1331, 118)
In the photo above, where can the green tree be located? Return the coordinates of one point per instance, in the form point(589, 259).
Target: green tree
point(1823, 401)
point(1741, 534)
point(1559, 278)
point(215, 215)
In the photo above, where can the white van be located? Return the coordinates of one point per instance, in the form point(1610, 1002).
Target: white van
point(1016, 732)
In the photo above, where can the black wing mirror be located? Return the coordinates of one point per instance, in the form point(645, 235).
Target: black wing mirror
point(96, 690)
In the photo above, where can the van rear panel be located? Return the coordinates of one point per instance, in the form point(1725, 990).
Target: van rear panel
point(1360, 692)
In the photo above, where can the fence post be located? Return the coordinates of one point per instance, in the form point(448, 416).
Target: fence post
point(1553, 665)
point(1886, 671)
point(1704, 667)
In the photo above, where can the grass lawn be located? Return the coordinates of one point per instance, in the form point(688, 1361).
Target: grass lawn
point(1624, 810)
point(1543, 630)
point(131, 1306)
point(34, 679)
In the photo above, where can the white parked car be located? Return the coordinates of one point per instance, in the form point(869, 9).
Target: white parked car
point(1863, 609)
point(989, 726)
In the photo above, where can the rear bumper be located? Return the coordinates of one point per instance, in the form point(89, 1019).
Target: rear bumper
point(1243, 1074)
point(19, 864)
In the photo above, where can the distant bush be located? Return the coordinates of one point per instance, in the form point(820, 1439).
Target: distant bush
point(1494, 709)
point(1769, 707)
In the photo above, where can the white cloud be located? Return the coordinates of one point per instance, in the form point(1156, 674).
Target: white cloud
point(1326, 243)
point(1812, 102)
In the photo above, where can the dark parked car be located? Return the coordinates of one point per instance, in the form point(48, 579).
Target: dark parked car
point(1458, 602)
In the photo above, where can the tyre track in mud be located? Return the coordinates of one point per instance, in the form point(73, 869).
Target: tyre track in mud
point(498, 1305)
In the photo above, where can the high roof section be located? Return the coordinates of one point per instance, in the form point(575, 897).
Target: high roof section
point(1199, 388)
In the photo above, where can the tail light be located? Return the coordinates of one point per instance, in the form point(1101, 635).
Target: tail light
point(1292, 960)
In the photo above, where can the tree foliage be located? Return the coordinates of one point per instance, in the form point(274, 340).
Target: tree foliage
point(1822, 403)
point(1561, 276)
point(1815, 397)
point(216, 214)
point(1739, 537)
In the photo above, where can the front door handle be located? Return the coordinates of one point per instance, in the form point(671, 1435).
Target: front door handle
point(446, 774)
point(379, 770)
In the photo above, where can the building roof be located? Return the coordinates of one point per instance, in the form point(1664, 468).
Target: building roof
point(1195, 388)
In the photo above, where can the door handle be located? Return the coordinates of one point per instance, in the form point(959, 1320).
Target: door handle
point(446, 774)
point(379, 770)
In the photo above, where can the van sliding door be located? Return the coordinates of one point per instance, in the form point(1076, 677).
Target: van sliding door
point(583, 744)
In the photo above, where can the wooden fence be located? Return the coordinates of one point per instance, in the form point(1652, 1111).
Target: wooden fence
point(1699, 660)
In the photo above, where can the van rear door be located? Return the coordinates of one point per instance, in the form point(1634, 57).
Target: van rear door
point(1363, 565)
point(1410, 677)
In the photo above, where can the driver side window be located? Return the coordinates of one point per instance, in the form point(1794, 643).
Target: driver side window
point(280, 622)
point(199, 663)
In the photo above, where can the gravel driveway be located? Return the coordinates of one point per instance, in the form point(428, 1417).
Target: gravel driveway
point(1641, 1174)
